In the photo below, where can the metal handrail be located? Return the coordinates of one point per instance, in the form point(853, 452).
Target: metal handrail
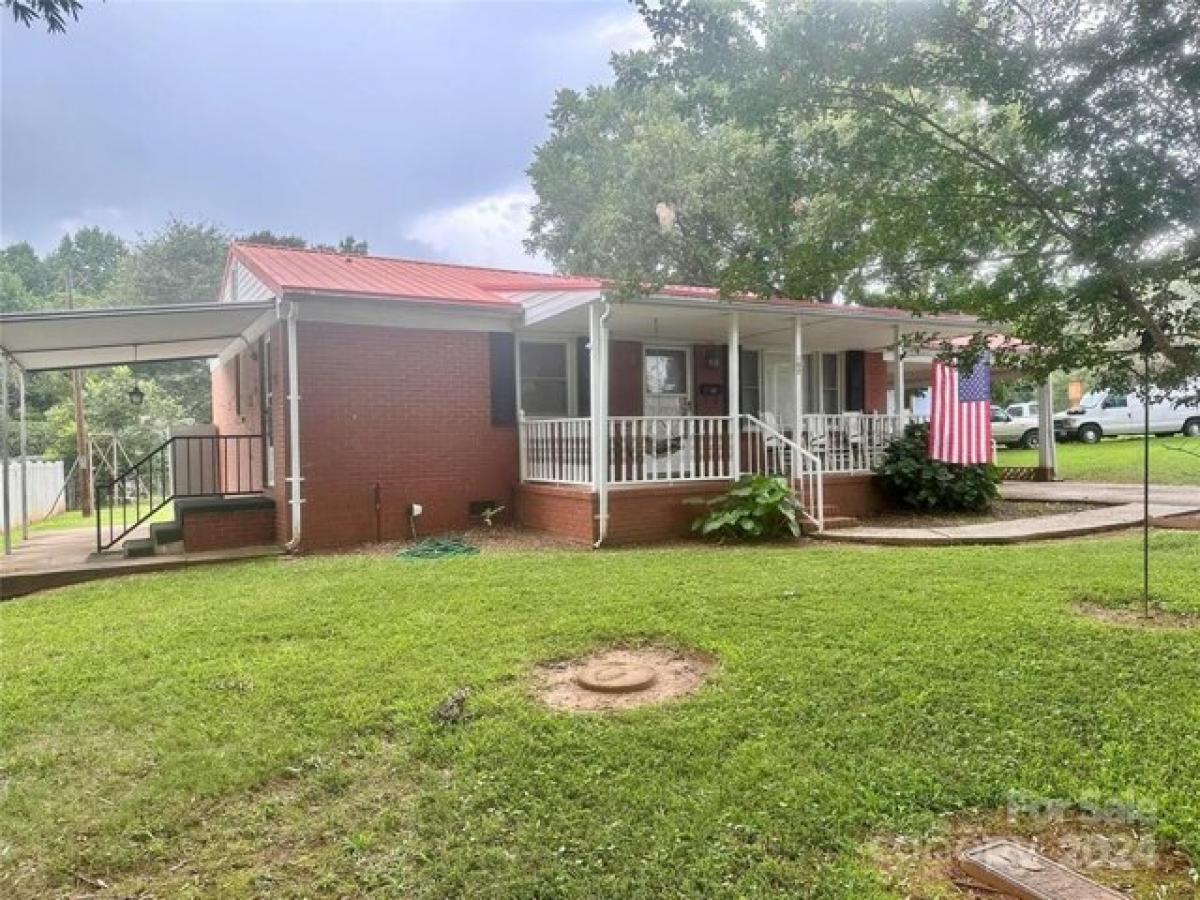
point(807, 472)
point(173, 475)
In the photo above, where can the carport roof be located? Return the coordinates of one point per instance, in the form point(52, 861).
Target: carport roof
point(84, 338)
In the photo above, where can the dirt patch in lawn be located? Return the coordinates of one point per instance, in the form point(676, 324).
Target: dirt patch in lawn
point(1185, 522)
point(621, 678)
point(1001, 511)
point(1111, 850)
point(1133, 616)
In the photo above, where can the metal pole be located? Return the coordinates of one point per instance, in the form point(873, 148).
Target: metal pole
point(899, 389)
point(24, 458)
point(4, 453)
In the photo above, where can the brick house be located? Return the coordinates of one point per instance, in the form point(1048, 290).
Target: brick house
point(393, 397)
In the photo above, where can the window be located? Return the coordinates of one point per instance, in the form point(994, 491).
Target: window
point(544, 380)
point(830, 383)
point(666, 372)
point(750, 380)
point(1115, 401)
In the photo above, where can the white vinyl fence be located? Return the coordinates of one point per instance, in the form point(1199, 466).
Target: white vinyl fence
point(45, 486)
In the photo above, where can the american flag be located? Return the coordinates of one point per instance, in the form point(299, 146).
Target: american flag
point(960, 425)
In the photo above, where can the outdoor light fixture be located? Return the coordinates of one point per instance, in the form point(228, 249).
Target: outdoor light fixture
point(712, 358)
point(135, 395)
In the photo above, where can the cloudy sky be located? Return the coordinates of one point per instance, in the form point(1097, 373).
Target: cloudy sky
point(407, 124)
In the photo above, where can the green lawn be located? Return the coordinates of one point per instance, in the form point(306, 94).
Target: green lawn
point(264, 728)
point(1120, 460)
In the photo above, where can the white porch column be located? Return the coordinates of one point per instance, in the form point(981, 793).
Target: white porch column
point(24, 457)
point(598, 373)
point(1047, 449)
point(4, 453)
point(735, 397)
point(898, 387)
point(797, 390)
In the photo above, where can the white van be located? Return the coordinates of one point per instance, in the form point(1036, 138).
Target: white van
point(1106, 413)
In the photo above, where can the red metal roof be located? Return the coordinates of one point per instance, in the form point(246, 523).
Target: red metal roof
point(296, 271)
point(291, 270)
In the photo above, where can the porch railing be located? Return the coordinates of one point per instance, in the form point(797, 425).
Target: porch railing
point(643, 449)
point(557, 450)
point(851, 442)
point(182, 466)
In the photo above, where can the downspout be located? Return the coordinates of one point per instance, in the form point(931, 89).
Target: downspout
point(294, 479)
point(600, 394)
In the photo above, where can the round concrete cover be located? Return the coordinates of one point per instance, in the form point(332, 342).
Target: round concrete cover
point(616, 678)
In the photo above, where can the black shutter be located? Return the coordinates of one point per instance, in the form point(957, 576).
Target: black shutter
point(502, 362)
point(856, 380)
point(583, 377)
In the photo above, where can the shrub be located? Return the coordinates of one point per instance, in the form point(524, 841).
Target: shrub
point(757, 507)
point(910, 478)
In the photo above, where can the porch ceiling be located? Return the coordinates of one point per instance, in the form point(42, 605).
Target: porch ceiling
point(77, 339)
point(834, 328)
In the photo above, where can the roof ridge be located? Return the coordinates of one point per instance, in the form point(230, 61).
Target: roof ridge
point(407, 259)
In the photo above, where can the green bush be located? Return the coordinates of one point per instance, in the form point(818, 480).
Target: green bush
point(910, 478)
point(757, 507)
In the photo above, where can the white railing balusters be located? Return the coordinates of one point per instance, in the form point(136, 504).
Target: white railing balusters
point(648, 449)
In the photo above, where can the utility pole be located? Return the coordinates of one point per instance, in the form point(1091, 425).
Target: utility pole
point(82, 447)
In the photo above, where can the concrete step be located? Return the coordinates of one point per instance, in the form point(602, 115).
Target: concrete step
point(166, 532)
point(832, 522)
point(138, 547)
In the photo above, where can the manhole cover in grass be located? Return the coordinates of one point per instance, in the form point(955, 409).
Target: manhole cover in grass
point(621, 678)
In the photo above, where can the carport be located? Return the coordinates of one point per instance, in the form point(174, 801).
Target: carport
point(91, 338)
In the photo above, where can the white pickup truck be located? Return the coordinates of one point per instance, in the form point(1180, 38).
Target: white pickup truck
point(1107, 413)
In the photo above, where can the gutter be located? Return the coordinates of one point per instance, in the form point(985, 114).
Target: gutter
point(288, 314)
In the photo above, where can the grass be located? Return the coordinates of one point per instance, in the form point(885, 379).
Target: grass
point(1120, 460)
point(264, 728)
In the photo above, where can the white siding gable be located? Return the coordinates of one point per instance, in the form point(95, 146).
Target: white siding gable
point(242, 286)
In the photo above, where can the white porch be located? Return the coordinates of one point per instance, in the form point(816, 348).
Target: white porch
point(665, 390)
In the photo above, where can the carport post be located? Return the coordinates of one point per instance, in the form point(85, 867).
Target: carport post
point(4, 452)
point(24, 458)
point(1047, 449)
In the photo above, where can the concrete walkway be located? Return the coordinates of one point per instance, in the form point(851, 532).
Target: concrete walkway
point(1122, 509)
point(68, 556)
point(1099, 492)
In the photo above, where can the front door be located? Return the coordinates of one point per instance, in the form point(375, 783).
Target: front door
point(666, 381)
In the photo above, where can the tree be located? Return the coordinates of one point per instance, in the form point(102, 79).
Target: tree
point(106, 399)
point(182, 263)
point(93, 255)
point(348, 246)
point(53, 12)
point(268, 237)
point(1035, 163)
point(22, 261)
